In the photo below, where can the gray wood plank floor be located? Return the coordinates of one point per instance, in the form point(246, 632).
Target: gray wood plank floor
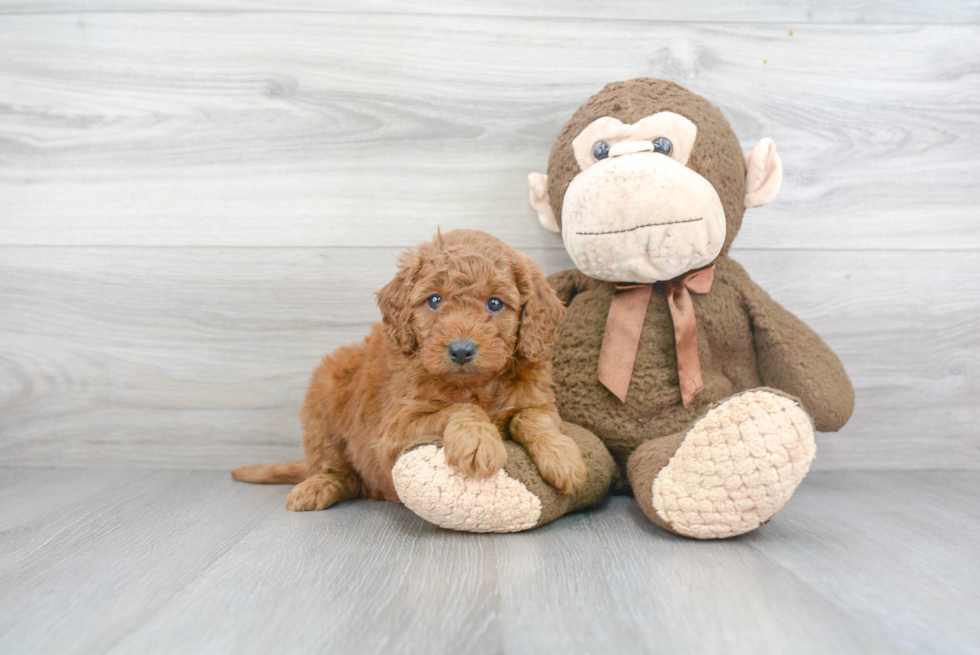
point(142, 561)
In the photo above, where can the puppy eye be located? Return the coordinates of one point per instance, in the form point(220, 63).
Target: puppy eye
point(495, 305)
point(600, 150)
point(434, 301)
point(663, 146)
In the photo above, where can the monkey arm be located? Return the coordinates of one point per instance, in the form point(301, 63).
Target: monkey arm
point(793, 358)
point(567, 284)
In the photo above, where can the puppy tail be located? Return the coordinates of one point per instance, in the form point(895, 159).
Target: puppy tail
point(285, 473)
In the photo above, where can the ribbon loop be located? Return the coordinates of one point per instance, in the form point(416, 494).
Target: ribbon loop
point(679, 292)
point(622, 337)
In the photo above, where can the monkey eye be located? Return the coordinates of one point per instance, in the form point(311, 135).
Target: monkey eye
point(663, 146)
point(495, 305)
point(600, 150)
point(434, 301)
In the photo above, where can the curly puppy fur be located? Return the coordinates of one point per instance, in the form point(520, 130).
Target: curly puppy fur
point(368, 403)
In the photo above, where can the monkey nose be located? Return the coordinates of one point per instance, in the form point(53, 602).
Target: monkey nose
point(461, 351)
point(630, 147)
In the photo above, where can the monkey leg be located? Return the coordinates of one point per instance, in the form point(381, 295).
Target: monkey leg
point(515, 498)
point(731, 472)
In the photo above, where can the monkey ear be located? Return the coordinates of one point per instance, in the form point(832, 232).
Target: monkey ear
point(538, 185)
point(394, 300)
point(763, 174)
point(541, 311)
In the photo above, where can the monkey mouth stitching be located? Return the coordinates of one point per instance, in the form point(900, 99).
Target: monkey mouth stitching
point(630, 229)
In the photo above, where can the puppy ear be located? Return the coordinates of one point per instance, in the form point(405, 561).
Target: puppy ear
point(395, 301)
point(541, 311)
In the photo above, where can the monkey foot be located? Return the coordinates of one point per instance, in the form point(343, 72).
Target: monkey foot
point(428, 486)
point(511, 500)
point(735, 468)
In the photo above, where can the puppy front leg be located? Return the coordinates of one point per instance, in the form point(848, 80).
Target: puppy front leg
point(559, 460)
point(472, 443)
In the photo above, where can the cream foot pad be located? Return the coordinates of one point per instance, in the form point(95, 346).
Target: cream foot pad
point(736, 467)
point(431, 489)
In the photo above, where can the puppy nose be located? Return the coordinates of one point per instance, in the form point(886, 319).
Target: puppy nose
point(462, 351)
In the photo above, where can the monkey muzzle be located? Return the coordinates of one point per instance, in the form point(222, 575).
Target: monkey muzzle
point(640, 216)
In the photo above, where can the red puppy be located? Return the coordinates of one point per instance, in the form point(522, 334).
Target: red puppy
point(464, 351)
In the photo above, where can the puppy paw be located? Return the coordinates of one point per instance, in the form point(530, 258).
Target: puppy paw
point(315, 493)
point(560, 462)
point(474, 448)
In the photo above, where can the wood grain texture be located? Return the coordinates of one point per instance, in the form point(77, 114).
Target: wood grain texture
point(193, 562)
point(311, 129)
point(199, 357)
point(905, 529)
point(368, 578)
point(812, 11)
point(197, 201)
point(644, 590)
point(115, 557)
point(197, 206)
point(64, 487)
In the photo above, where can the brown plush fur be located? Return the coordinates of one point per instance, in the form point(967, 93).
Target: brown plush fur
point(368, 402)
point(745, 339)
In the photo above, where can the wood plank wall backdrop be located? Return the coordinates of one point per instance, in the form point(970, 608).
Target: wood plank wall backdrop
point(197, 199)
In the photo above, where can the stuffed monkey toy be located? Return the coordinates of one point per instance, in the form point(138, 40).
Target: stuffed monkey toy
point(704, 389)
